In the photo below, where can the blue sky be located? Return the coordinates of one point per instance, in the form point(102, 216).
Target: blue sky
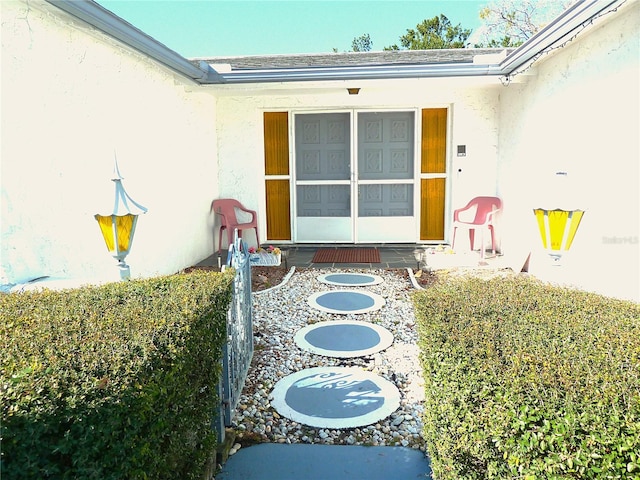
point(260, 27)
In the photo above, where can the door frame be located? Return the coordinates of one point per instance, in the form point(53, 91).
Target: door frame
point(353, 181)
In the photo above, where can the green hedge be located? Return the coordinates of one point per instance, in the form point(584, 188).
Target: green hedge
point(525, 380)
point(112, 382)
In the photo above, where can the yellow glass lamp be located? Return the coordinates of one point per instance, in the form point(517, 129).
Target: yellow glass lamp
point(557, 227)
point(118, 227)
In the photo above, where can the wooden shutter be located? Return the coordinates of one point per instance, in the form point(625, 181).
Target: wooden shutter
point(433, 169)
point(432, 208)
point(276, 167)
point(434, 140)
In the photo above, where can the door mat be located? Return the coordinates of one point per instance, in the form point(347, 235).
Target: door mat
point(347, 255)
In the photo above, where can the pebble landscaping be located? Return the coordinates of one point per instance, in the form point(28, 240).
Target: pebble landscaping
point(280, 312)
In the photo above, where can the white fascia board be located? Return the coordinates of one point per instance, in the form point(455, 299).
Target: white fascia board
point(357, 73)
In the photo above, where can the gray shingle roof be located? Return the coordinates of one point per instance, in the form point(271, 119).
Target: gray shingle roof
point(352, 59)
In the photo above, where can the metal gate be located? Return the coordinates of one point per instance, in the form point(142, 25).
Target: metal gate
point(238, 350)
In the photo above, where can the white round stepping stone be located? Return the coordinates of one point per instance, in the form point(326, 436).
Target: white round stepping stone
point(343, 338)
point(350, 279)
point(346, 301)
point(335, 397)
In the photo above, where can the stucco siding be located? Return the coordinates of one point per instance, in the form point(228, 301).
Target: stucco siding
point(578, 112)
point(71, 99)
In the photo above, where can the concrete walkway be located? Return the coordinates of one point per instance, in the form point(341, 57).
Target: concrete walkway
point(271, 461)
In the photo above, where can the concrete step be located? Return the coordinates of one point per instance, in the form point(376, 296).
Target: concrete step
point(272, 461)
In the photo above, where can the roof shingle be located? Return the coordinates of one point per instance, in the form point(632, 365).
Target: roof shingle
point(351, 59)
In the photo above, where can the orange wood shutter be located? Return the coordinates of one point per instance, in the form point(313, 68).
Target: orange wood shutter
point(432, 208)
point(433, 167)
point(276, 163)
point(434, 140)
point(278, 217)
point(276, 143)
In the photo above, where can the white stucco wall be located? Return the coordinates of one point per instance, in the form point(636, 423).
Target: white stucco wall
point(473, 107)
point(579, 113)
point(71, 98)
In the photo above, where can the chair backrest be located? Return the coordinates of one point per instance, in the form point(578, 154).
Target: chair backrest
point(485, 205)
point(227, 208)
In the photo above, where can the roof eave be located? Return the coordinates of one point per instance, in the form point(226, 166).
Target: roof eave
point(556, 32)
point(356, 73)
point(553, 34)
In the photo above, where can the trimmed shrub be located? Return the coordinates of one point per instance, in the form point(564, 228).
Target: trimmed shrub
point(525, 380)
point(112, 382)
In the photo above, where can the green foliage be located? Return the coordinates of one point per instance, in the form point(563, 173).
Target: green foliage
point(110, 382)
point(510, 23)
point(433, 33)
point(525, 380)
point(362, 43)
point(504, 42)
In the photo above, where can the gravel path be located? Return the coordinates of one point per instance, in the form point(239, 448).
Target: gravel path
point(279, 313)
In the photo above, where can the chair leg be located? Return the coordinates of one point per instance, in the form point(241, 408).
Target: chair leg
point(453, 238)
point(472, 236)
point(493, 240)
point(229, 237)
point(220, 240)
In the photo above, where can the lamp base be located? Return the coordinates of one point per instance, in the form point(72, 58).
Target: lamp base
point(556, 259)
point(125, 271)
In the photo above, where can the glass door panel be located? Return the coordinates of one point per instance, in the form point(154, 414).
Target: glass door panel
point(385, 200)
point(324, 201)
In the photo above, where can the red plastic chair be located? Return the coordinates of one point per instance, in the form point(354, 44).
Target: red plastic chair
point(226, 209)
point(484, 218)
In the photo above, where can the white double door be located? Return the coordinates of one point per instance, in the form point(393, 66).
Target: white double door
point(354, 176)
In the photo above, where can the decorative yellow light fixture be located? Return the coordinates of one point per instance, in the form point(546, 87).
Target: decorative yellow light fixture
point(118, 227)
point(353, 91)
point(557, 227)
